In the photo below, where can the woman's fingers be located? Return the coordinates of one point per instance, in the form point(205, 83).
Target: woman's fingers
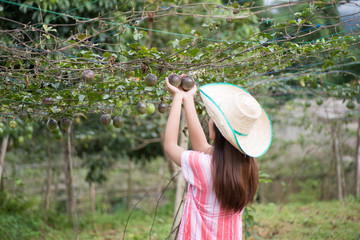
point(173, 90)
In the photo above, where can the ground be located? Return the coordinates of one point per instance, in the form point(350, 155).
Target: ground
point(317, 220)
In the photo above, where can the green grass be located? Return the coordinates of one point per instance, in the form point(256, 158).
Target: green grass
point(317, 220)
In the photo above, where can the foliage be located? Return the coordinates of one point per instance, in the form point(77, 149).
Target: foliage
point(52, 225)
point(14, 203)
point(56, 72)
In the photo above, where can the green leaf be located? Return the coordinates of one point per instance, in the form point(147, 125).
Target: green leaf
point(82, 36)
point(55, 109)
point(106, 55)
point(194, 51)
point(175, 43)
point(81, 97)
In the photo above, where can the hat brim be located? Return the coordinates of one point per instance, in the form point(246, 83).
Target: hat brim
point(258, 141)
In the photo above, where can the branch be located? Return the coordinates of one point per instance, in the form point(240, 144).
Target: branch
point(144, 144)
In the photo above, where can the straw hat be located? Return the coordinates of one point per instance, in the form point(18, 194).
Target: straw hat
point(239, 117)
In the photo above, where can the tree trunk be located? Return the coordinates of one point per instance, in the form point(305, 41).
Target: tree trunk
point(92, 197)
point(70, 201)
point(337, 160)
point(2, 155)
point(357, 163)
point(180, 183)
point(48, 181)
point(341, 154)
point(326, 178)
point(129, 185)
point(56, 182)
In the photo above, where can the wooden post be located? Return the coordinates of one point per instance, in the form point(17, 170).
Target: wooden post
point(335, 144)
point(48, 180)
point(357, 163)
point(129, 185)
point(341, 160)
point(70, 201)
point(180, 183)
point(2, 155)
point(92, 197)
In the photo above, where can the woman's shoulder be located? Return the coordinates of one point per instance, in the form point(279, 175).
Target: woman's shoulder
point(197, 154)
point(198, 158)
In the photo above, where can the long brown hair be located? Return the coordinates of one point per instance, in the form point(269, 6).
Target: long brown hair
point(235, 174)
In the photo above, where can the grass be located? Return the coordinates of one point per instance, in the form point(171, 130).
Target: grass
point(111, 226)
point(317, 220)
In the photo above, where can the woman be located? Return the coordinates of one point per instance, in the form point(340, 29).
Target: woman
point(223, 177)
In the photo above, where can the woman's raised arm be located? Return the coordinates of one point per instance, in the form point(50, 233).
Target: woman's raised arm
point(197, 135)
point(171, 146)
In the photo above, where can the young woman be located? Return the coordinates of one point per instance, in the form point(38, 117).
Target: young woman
point(223, 177)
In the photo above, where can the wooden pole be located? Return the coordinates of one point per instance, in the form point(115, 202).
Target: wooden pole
point(2, 155)
point(357, 163)
point(335, 141)
point(341, 160)
point(70, 201)
point(92, 197)
point(130, 187)
point(48, 180)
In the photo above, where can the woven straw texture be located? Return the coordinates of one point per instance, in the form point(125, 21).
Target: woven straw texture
point(239, 117)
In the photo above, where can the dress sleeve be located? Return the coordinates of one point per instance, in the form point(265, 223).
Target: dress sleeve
point(196, 168)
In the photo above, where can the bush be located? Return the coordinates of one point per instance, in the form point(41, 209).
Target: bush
point(15, 203)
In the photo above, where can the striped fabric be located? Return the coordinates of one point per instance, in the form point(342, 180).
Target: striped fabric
point(203, 218)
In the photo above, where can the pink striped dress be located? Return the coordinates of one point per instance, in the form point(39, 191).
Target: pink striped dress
point(203, 218)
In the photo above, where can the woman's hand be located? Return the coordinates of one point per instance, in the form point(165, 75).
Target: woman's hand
point(172, 89)
point(178, 90)
point(191, 92)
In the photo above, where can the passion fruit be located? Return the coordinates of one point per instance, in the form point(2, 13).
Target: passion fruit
point(65, 123)
point(21, 139)
point(162, 108)
point(174, 80)
point(23, 115)
point(13, 124)
point(350, 105)
point(88, 75)
point(29, 129)
point(110, 126)
point(187, 83)
point(150, 80)
point(56, 131)
point(151, 108)
point(319, 101)
point(58, 136)
point(52, 124)
point(118, 122)
point(119, 104)
point(47, 101)
point(141, 107)
point(105, 119)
